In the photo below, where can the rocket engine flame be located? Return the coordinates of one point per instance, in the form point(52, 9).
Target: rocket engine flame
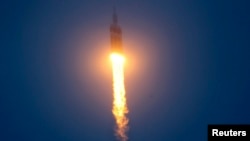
point(119, 104)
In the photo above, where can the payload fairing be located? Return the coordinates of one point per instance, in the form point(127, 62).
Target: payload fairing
point(116, 35)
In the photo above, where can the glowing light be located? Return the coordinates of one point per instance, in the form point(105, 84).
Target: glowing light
point(119, 104)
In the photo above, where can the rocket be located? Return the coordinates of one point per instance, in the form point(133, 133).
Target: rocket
point(116, 35)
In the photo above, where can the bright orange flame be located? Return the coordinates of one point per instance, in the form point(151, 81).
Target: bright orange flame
point(119, 104)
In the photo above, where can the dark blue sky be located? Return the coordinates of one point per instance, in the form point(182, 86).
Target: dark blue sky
point(187, 67)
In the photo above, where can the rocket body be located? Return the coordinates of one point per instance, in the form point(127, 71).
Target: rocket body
point(116, 35)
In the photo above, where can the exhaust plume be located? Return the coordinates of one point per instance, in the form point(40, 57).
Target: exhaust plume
point(119, 103)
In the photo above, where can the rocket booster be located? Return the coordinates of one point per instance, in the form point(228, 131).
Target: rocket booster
point(116, 35)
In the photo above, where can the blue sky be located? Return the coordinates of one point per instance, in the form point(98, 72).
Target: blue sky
point(187, 67)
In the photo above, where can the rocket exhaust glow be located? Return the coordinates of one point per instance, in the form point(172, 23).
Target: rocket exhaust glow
point(119, 104)
point(119, 109)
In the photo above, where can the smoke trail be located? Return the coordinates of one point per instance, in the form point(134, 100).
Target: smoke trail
point(119, 104)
